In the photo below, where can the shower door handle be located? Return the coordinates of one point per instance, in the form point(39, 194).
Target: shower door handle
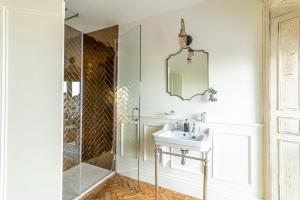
point(135, 114)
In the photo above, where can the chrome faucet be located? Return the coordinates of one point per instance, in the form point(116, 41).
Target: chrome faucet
point(177, 126)
point(203, 117)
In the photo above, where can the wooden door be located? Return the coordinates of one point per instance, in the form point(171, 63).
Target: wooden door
point(285, 107)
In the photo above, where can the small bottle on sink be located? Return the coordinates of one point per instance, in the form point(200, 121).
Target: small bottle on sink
point(186, 126)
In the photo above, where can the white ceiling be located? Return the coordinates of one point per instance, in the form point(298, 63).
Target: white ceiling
point(98, 14)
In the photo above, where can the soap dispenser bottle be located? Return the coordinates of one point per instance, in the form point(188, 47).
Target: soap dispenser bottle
point(186, 127)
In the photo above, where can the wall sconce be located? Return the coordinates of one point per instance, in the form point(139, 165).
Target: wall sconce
point(184, 39)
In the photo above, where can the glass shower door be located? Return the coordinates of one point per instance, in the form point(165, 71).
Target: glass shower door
point(72, 114)
point(128, 104)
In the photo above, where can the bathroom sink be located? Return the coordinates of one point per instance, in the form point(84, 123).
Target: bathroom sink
point(199, 141)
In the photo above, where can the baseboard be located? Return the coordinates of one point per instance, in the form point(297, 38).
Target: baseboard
point(216, 191)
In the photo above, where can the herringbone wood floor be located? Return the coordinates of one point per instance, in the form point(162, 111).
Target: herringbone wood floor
point(122, 188)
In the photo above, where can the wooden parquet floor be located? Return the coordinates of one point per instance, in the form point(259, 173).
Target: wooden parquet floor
point(122, 188)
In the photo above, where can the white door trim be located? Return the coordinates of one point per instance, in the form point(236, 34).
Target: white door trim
point(3, 91)
point(265, 75)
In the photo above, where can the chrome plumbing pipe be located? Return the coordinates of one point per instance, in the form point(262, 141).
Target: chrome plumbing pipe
point(157, 156)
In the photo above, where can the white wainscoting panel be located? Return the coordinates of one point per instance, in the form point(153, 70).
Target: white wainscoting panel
point(129, 140)
point(232, 157)
point(147, 140)
point(235, 167)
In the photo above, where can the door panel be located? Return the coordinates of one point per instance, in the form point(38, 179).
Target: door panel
point(289, 64)
point(289, 164)
point(288, 125)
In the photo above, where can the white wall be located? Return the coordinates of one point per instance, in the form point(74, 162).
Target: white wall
point(31, 38)
point(231, 31)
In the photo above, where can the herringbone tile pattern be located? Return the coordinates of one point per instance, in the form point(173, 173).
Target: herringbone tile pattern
point(98, 96)
point(122, 188)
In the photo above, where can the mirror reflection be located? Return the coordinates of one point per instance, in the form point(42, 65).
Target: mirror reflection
point(188, 73)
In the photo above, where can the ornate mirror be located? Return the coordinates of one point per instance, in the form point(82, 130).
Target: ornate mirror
point(187, 73)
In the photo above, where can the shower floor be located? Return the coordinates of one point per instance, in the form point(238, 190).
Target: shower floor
point(80, 178)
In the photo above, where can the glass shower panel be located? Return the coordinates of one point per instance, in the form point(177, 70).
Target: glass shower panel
point(128, 103)
point(72, 113)
point(98, 102)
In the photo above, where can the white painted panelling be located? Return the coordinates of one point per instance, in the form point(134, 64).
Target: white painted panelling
point(235, 162)
point(32, 49)
point(147, 140)
point(129, 140)
point(232, 157)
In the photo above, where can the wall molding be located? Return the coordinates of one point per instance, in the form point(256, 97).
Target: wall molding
point(208, 122)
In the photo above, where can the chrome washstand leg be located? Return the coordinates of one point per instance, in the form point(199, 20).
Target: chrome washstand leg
point(157, 155)
point(205, 171)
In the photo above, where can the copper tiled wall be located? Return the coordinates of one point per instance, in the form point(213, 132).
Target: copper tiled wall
point(72, 75)
point(98, 96)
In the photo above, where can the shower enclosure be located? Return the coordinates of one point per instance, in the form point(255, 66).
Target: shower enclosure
point(101, 107)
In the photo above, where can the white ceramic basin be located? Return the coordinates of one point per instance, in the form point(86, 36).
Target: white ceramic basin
point(200, 141)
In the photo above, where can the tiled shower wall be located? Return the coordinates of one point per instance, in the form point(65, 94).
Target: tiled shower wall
point(97, 74)
point(98, 96)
